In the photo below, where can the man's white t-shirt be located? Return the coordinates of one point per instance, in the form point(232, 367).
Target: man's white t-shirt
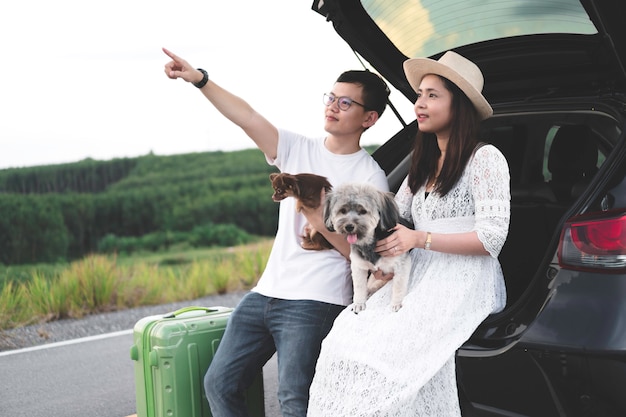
point(294, 273)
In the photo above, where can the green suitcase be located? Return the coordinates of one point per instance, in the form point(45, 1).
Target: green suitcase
point(172, 353)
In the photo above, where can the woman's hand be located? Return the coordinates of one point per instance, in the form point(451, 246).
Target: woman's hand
point(401, 240)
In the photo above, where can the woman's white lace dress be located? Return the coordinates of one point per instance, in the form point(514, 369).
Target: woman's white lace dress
point(381, 363)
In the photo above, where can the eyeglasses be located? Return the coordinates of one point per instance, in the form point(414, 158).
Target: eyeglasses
point(343, 102)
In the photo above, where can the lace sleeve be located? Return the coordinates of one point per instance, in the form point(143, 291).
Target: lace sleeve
point(492, 196)
point(404, 199)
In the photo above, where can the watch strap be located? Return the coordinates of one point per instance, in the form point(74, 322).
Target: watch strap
point(204, 80)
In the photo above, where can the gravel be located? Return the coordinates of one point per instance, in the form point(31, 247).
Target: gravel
point(97, 324)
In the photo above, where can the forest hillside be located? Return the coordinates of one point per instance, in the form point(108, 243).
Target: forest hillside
point(63, 212)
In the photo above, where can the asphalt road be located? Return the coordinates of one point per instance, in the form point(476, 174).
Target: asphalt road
point(86, 377)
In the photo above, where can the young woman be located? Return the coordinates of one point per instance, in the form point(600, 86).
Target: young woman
point(384, 363)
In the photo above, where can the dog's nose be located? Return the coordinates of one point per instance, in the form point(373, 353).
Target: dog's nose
point(349, 228)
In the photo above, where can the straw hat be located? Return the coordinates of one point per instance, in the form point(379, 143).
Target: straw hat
point(461, 71)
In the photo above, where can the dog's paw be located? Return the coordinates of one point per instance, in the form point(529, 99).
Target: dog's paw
point(358, 307)
point(396, 307)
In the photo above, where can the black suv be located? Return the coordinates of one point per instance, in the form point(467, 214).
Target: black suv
point(555, 76)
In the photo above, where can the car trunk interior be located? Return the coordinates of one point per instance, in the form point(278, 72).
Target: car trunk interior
point(552, 159)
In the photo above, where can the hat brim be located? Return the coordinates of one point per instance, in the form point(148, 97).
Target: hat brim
point(416, 68)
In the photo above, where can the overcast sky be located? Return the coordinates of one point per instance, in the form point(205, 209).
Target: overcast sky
point(84, 79)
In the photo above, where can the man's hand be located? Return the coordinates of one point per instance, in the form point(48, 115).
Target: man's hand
point(179, 68)
point(378, 274)
point(315, 217)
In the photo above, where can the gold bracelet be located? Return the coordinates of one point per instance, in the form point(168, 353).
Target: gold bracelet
point(428, 241)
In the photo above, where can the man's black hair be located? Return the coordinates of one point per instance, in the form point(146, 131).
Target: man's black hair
point(375, 90)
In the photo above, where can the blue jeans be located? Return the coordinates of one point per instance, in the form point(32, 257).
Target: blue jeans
point(257, 328)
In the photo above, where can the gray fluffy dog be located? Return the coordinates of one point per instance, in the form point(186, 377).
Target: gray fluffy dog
point(364, 214)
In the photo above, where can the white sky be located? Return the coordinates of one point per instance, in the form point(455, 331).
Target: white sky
point(84, 79)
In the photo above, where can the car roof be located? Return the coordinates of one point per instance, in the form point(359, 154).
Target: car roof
point(525, 50)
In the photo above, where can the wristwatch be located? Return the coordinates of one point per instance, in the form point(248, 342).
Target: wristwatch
point(428, 241)
point(204, 80)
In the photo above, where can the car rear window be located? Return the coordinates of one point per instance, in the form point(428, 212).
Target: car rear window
point(427, 27)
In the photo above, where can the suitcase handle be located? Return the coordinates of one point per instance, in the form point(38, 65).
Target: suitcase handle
point(184, 310)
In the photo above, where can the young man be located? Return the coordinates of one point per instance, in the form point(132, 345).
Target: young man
point(300, 293)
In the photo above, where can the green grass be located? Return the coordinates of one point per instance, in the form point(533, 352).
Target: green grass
point(24, 273)
point(100, 283)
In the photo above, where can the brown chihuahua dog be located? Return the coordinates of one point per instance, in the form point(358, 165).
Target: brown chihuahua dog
point(306, 189)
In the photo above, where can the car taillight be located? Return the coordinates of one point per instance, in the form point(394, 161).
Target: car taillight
point(594, 242)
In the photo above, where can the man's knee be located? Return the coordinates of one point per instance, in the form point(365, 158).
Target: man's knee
point(210, 388)
point(216, 386)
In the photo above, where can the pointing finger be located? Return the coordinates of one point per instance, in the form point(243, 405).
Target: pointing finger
point(171, 54)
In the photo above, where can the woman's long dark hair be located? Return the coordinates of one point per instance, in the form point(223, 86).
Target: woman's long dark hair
point(462, 142)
